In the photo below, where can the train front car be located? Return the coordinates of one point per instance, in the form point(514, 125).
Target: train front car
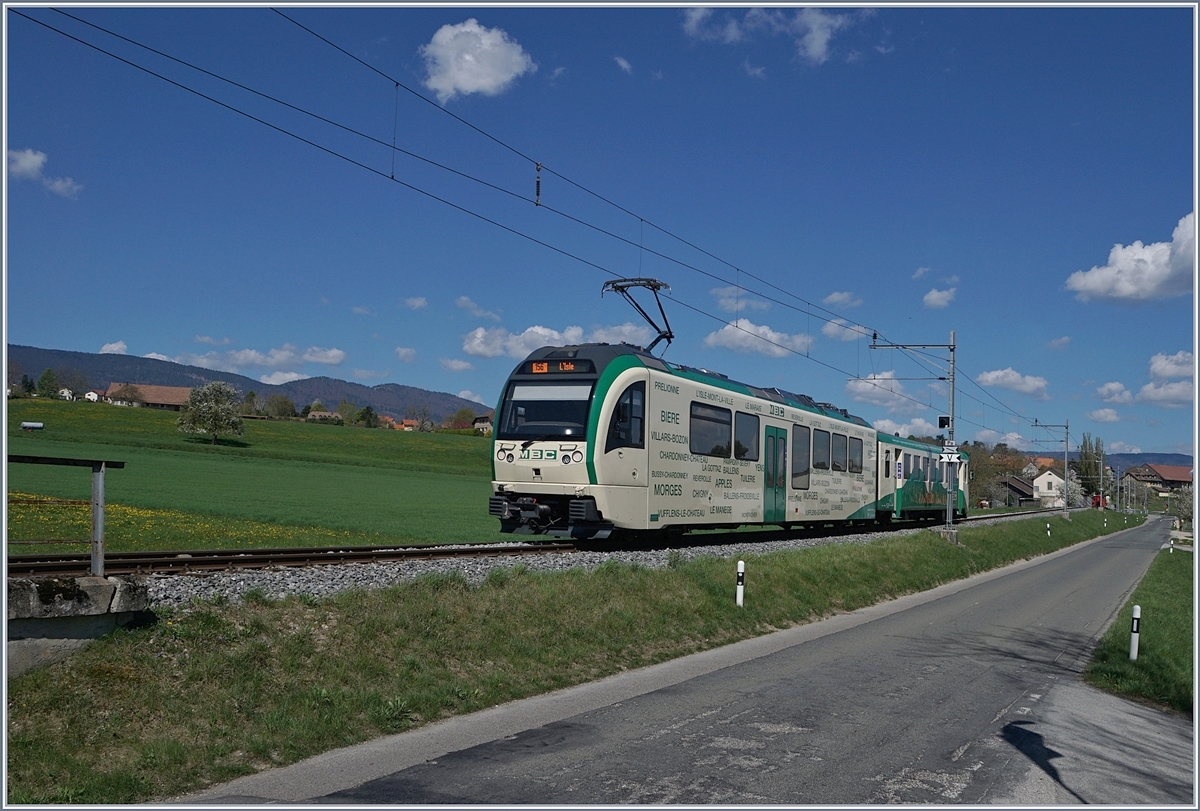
point(548, 442)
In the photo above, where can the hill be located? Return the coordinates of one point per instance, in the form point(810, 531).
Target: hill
point(97, 371)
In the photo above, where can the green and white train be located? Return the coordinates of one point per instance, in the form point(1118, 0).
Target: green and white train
point(595, 439)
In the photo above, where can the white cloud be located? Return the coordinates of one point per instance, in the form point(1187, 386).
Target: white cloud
point(455, 365)
point(1140, 272)
point(1012, 439)
point(204, 339)
point(811, 29)
point(115, 348)
point(936, 299)
point(838, 331)
point(27, 164)
point(158, 356)
point(623, 64)
point(920, 273)
point(492, 342)
point(753, 72)
point(467, 394)
point(745, 336)
point(416, 302)
point(329, 357)
point(1014, 381)
point(406, 354)
point(917, 427)
point(279, 378)
point(698, 23)
point(1122, 447)
point(1059, 343)
point(1103, 415)
point(1167, 395)
point(465, 303)
point(1180, 364)
point(468, 58)
point(1115, 393)
point(882, 390)
point(362, 311)
point(734, 299)
point(846, 299)
point(626, 333)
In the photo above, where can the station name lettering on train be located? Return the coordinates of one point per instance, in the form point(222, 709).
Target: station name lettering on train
point(599, 440)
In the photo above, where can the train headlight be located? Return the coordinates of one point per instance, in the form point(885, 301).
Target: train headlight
point(509, 458)
point(500, 455)
point(566, 457)
point(577, 456)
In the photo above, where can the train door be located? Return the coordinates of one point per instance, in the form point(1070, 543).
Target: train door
point(775, 475)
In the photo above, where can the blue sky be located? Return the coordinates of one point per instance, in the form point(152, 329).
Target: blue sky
point(800, 178)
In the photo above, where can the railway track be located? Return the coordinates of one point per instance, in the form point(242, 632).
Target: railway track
point(207, 561)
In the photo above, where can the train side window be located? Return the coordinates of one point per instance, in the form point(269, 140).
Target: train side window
point(820, 454)
point(908, 471)
point(745, 436)
point(800, 451)
point(710, 431)
point(856, 456)
point(887, 463)
point(627, 427)
point(838, 456)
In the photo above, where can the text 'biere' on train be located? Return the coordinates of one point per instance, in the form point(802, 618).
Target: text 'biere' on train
point(598, 438)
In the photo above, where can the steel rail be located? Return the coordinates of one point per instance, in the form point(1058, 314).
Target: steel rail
point(212, 560)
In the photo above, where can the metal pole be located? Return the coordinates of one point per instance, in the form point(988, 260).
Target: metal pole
point(98, 519)
point(1066, 472)
point(951, 467)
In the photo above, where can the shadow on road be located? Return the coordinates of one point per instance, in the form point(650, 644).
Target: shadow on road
point(1033, 746)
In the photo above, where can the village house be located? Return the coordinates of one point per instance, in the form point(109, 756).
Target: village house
point(483, 423)
point(1162, 478)
point(1048, 488)
point(170, 398)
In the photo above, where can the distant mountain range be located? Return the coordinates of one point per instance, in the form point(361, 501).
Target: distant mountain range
point(98, 370)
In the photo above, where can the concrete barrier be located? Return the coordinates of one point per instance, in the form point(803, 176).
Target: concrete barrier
point(49, 618)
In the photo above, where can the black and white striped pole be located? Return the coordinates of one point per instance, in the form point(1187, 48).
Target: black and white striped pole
point(1133, 633)
point(741, 581)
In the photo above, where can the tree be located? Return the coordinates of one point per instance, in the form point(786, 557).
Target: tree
point(73, 379)
point(27, 385)
point(47, 384)
point(280, 406)
point(212, 409)
point(367, 416)
point(248, 404)
point(462, 418)
point(127, 393)
point(316, 405)
point(347, 410)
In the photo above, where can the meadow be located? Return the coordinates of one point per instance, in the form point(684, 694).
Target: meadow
point(281, 483)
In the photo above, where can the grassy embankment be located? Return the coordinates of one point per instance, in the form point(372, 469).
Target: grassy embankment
point(280, 484)
point(1163, 672)
point(225, 690)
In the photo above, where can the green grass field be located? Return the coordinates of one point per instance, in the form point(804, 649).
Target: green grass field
point(1163, 672)
point(299, 482)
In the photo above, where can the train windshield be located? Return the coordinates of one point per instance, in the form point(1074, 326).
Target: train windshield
point(537, 411)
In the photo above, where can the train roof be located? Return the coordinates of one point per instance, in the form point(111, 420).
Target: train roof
point(603, 354)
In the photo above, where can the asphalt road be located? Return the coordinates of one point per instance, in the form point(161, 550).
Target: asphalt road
point(965, 694)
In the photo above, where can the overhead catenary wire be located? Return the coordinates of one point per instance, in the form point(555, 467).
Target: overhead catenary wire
point(809, 306)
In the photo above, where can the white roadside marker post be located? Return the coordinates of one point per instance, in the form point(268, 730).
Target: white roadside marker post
point(741, 581)
point(1047, 529)
point(1133, 634)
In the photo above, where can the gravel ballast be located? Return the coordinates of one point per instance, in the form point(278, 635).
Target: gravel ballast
point(178, 591)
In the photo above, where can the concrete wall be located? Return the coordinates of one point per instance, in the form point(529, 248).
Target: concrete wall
point(49, 618)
